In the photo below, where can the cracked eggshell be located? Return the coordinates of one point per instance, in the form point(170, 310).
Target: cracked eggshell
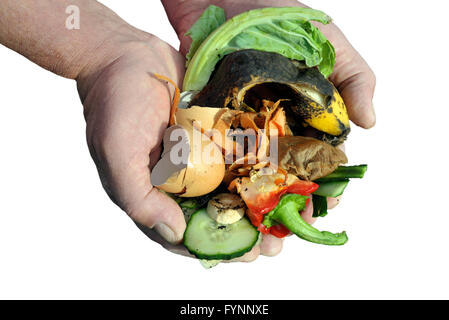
point(202, 164)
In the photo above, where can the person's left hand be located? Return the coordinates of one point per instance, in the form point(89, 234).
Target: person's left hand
point(351, 75)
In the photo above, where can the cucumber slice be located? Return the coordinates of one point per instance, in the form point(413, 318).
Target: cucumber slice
point(332, 188)
point(208, 240)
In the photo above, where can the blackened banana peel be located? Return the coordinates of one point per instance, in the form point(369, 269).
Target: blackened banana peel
point(244, 78)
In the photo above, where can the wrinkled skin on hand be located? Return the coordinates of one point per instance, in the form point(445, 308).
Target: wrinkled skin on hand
point(127, 110)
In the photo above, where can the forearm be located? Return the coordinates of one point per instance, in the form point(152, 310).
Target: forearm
point(38, 30)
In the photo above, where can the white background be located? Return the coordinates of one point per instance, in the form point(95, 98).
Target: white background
point(61, 237)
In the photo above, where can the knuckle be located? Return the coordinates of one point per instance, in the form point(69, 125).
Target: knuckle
point(371, 78)
point(140, 213)
point(135, 212)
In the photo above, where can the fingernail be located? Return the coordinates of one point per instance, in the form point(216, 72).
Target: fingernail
point(166, 232)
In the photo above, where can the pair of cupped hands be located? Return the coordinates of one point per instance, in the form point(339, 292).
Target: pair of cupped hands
point(127, 110)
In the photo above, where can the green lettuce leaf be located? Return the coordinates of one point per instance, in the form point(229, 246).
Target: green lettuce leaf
point(211, 19)
point(286, 31)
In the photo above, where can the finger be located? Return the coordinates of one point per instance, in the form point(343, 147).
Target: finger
point(161, 212)
point(307, 213)
point(182, 15)
point(333, 202)
point(247, 257)
point(353, 78)
point(155, 236)
point(357, 91)
point(270, 245)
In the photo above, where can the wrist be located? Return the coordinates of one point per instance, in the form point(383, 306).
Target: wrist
point(108, 48)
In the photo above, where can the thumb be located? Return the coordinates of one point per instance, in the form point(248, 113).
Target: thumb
point(162, 213)
point(126, 178)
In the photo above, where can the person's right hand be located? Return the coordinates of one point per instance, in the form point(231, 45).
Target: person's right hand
point(127, 110)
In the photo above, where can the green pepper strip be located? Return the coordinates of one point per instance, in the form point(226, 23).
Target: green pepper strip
point(287, 213)
point(342, 173)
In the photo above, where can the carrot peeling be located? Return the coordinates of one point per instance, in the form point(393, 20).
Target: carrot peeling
point(176, 98)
